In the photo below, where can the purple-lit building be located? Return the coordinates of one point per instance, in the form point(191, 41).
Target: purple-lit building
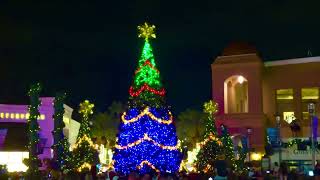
point(13, 132)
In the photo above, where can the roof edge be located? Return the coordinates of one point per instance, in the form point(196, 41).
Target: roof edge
point(292, 61)
point(238, 55)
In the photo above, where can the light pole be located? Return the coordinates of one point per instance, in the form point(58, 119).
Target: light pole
point(278, 120)
point(249, 131)
point(311, 109)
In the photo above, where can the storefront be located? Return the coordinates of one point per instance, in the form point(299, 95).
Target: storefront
point(13, 132)
point(251, 92)
point(296, 159)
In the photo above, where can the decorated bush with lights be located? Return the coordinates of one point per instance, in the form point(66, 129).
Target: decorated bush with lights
point(147, 139)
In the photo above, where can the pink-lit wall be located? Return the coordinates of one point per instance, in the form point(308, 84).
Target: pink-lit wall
point(263, 80)
point(250, 67)
point(46, 125)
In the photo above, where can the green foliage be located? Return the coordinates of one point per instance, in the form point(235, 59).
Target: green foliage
point(65, 157)
point(190, 127)
point(84, 151)
point(147, 74)
point(228, 147)
point(106, 124)
point(146, 82)
point(210, 151)
point(85, 111)
point(210, 109)
point(207, 156)
point(33, 128)
point(240, 162)
point(61, 145)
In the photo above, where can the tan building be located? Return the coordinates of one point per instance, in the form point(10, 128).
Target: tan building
point(251, 92)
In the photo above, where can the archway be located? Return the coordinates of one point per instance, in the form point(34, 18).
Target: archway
point(236, 94)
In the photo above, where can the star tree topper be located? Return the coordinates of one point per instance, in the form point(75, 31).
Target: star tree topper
point(146, 31)
point(86, 108)
point(210, 107)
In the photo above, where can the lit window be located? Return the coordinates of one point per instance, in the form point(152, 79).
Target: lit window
point(285, 94)
point(2, 115)
point(7, 115)
point(284, 103)
point(22, 116)
point(236, 94)
point(42, 116)
point(27, 116)
point(17, 116)
point(310, 93)
point(12, 116)
point(289, 117)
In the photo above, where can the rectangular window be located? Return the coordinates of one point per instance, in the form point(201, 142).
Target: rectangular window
point(284, 103)
point(309, 95)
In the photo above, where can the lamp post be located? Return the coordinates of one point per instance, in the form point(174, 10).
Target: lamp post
point(249, 131)
point(278, 120)
point(311, 109)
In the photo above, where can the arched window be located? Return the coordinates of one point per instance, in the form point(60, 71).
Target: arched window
point(236, 94)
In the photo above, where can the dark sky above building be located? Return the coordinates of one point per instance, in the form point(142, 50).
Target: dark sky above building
point(90, 48)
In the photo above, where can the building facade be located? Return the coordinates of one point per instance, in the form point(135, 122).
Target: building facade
point(13, 132)
point(252, 92)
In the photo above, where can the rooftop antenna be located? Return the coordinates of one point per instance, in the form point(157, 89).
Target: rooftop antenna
point(309, 53)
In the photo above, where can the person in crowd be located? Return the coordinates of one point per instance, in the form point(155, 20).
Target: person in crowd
point(146, 177)
point(221, 168)
point(293, 174)
point(110, 174)
point(93, 172)
point(317, 171)
point(283, 171)
point(132, 176)
point(301, 171)
point(275, 170)
point(162, 177)
point(250, 172)
point(115, 177)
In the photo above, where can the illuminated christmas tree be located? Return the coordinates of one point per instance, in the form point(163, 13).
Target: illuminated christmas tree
point(147, 139)
point(33, 128)
point(228, 146)
point(84, 152)
point(61, 144)
point(211, 146)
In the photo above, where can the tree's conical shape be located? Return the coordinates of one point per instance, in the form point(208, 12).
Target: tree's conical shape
point(147, 139)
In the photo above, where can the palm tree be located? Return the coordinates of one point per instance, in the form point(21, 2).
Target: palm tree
point(190, 126)
point(105, 124)
point(116, 108)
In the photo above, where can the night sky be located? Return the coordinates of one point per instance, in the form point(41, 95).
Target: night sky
point(90, 48)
